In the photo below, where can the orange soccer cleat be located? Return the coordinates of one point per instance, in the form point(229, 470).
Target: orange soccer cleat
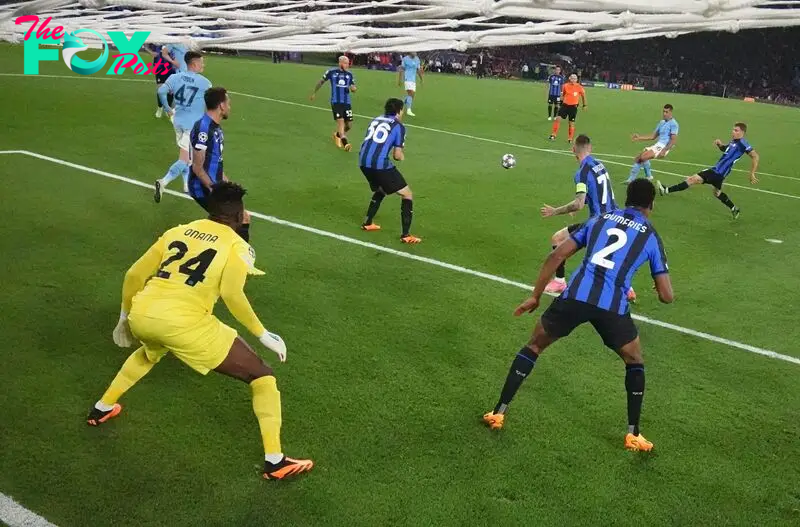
point(97, 417)
point(638, 443)
point(556, 286)
point(493, 420)
point(286, 468)
point(370, 227)
point(410, 239)
point(336, 140)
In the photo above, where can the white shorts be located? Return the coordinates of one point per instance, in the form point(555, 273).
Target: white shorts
point(182, 139)
point(411, 86)
point(657, 148)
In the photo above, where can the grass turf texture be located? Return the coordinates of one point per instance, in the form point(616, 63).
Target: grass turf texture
point(391, 361)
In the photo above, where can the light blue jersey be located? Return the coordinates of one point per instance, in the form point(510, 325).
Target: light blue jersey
point(410, 67)
point(189, 89)
point(178, 52)
point(665, 129)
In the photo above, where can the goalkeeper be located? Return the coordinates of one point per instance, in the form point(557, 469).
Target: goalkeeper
point(167, 301)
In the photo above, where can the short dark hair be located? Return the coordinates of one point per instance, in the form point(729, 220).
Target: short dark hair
point(582, 141)
point(393, 106)
point(191, 56)
point(668, 107)
point(741, 126)
point(641, 194)
point(225, 200)
point(215, 96)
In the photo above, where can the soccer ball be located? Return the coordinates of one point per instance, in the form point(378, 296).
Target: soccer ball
point(509, 161)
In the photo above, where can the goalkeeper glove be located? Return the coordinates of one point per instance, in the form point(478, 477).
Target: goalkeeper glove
point(275, 343)
point(122, 333)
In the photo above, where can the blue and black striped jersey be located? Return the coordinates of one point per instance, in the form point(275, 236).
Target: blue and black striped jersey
point(556, 85)
point(735, 150)
point(593, 179)
point(385, 132)
point(617, 244)
point(207, 135)
point(340, 80)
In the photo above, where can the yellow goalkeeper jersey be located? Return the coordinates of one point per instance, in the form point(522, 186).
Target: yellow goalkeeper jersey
point(190, 267)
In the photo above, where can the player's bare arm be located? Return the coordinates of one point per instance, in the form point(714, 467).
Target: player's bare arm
point(583, 100)
point(419, 75)
point(754, 166)
point(719, 144)
point(638, 137)
point(663, 286)
point(400, 72)
point(554, 259)
point(398, 153)
point(165, 55)
point(316, 89)
point(198, 160)
point(673, 138)
point(573, 206)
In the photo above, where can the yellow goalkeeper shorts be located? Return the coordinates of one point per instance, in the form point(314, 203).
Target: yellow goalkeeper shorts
point(202, 342)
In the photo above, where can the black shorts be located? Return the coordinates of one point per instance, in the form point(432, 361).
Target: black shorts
point(553, 99)
point(342, 111)
point(568, 111)
point(574, 227)
point(161, 79)
point(566, 314)
point(203, 202)
point(389, 181)
point(710, 177)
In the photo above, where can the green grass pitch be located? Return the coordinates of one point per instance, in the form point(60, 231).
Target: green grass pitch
point(391, 360)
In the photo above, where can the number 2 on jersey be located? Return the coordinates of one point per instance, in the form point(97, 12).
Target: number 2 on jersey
point(180, 96)
point(601, 257)
point(194, 268)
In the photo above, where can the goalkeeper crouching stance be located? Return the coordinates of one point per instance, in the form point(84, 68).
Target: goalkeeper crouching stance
point(168, 298)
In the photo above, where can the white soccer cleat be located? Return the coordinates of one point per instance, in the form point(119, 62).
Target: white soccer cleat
point(549, 118)
point(159, 112)
point(410, 113)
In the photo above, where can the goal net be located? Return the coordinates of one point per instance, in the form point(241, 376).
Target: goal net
point(398, 25)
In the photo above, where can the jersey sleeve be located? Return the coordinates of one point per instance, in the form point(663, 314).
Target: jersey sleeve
point(239, 265)
point(745, 146)
point(352, 80)
point(674, 128)
point(581, 181)
point(400, 136)
point(581, 236)
point(326, 76)
point(140, 272)
point(656, 255)
point(200, 136)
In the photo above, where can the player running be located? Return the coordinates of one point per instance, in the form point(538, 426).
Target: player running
point(715, 176)
point(617, 244)
point(555, 85)
point(572, 93)
point(188, 88)
point(342, 84)
point(163, 69)
point(208, 143)
point(592, 188)
point(667, 134)
point(384, 142)
point(168, 299)
point(410, 69)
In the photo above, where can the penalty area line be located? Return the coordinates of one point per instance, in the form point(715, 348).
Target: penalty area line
point(15, 515)
point(423, 259)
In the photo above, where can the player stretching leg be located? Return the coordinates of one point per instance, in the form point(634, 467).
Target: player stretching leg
point(384, 141)
point(572, 92)
point(188, 87)
point(342, 84)
point(163, 69)
point(715, 176)
point(555, 85)
point(410, 69)
point(617, 244)
point(167, 301)
point(593, 188)
point(667, 134)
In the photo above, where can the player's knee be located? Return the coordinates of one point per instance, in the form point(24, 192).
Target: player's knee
point(559, 236)
point(406, 193)
point(631, 353)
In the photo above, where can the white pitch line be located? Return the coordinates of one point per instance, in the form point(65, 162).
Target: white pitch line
point(15, 515)
point(423, 259)
point(447, 132)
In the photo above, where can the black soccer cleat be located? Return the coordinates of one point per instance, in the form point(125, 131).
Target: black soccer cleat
point(735, 211)
point(97, 417)
point(158, 191)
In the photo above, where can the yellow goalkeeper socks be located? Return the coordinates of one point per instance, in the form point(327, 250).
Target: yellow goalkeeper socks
point(267, 407)
point(136, 367)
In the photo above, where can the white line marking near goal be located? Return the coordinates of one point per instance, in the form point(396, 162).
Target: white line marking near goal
point(15, 515)
point(773, 240)
point(423, 259)
point(447, 132)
